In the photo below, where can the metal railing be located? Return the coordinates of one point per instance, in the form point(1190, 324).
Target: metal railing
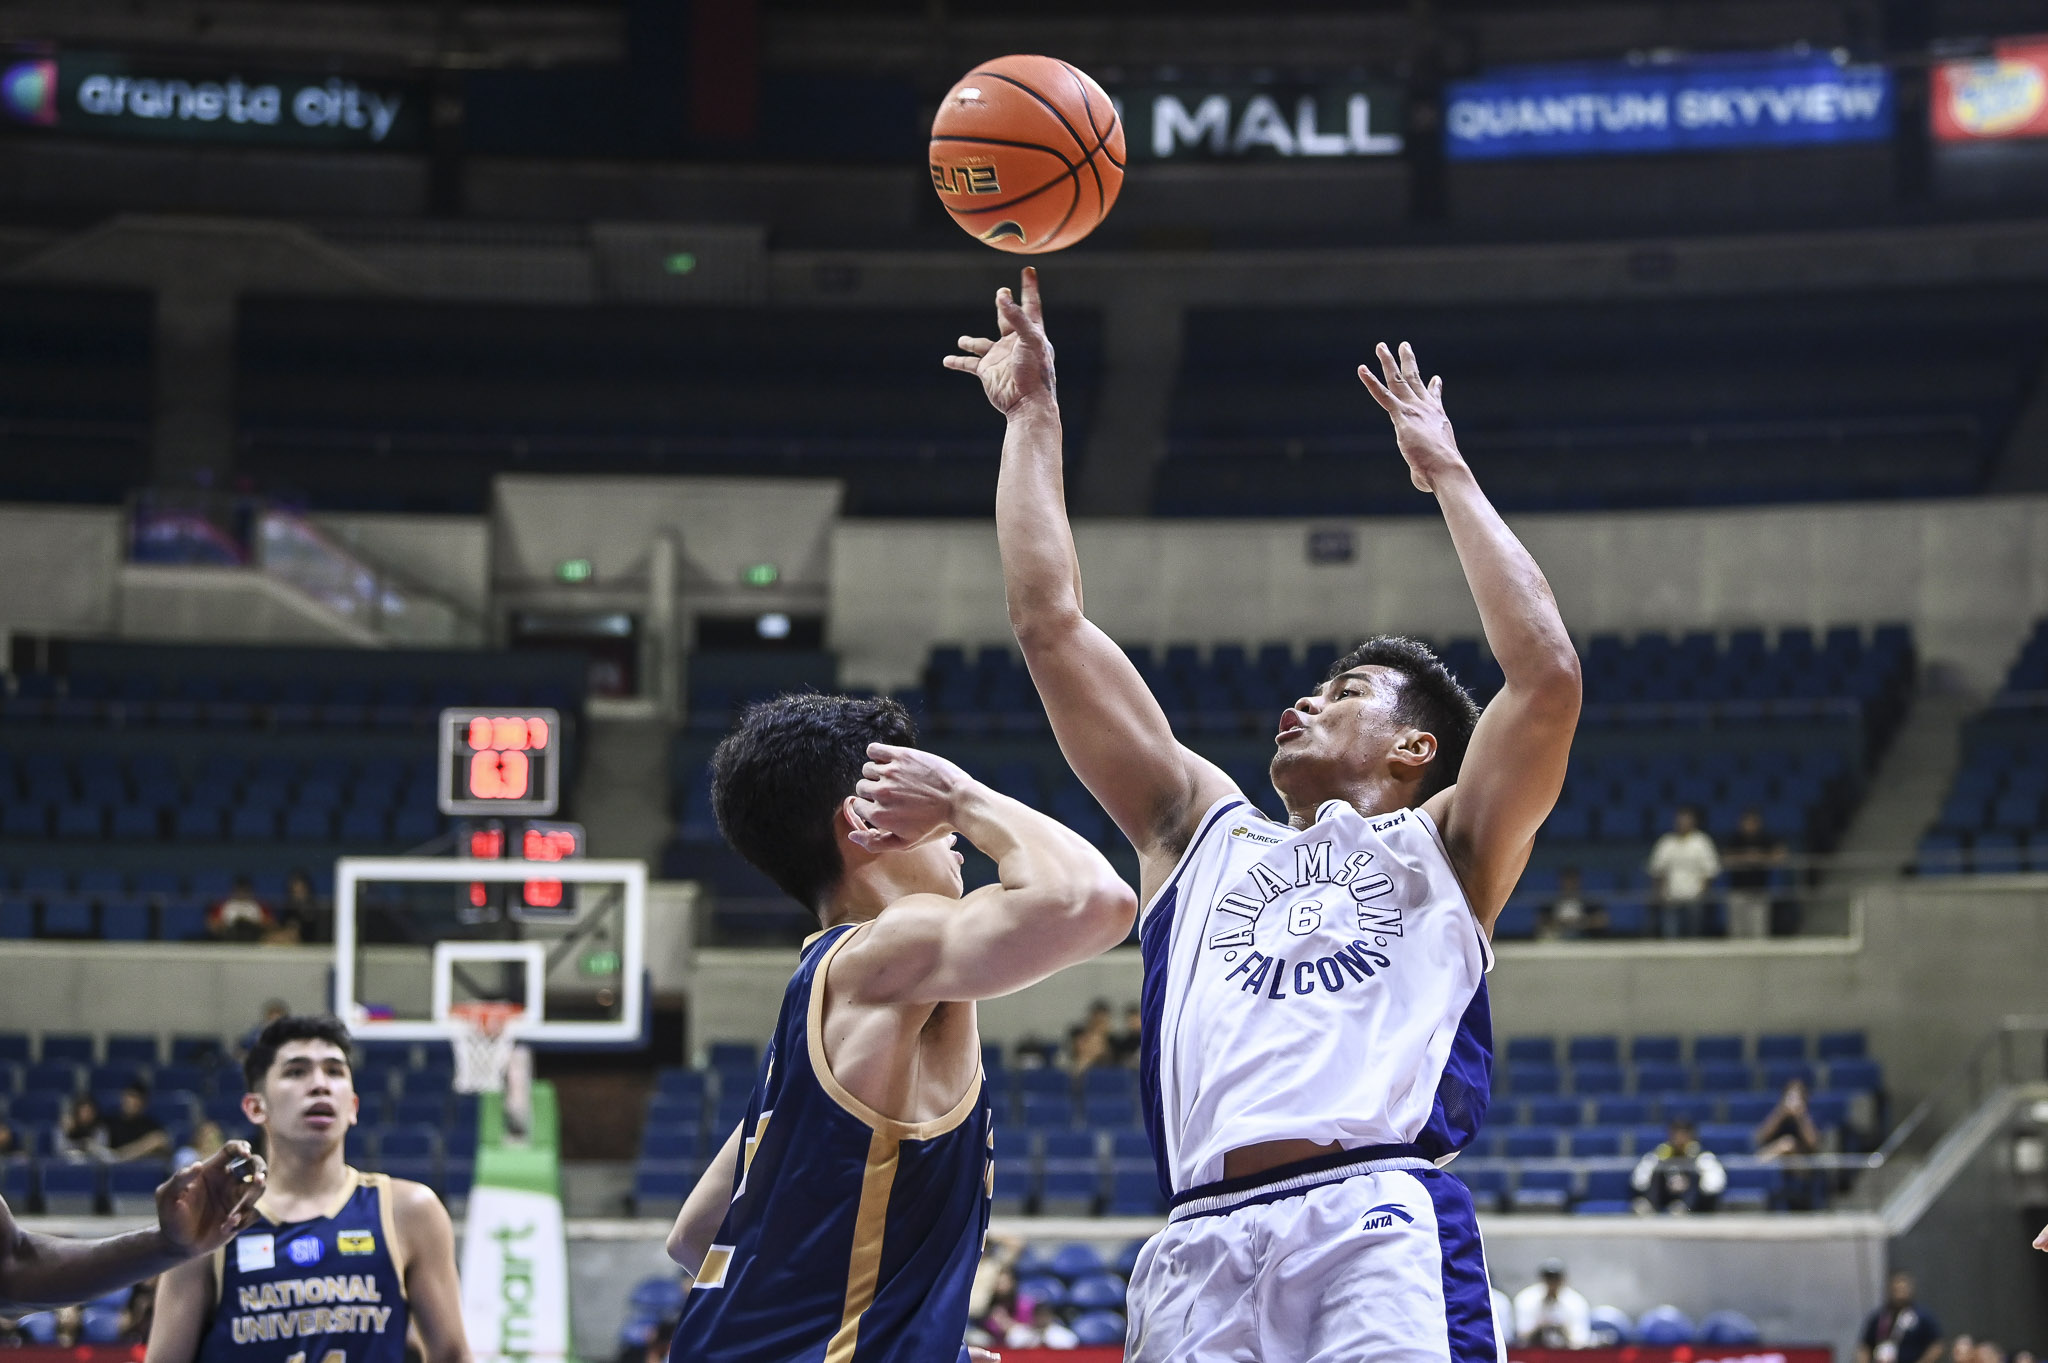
point(296, 552)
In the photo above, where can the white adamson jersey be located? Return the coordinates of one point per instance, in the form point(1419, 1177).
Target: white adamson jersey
point(1326, 984)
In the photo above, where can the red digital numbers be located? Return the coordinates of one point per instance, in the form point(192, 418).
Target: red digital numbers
point(555, 844)
point(543, 894)
point(499, 776)
point(487, 844)
point(499, 768)
point(508, 733)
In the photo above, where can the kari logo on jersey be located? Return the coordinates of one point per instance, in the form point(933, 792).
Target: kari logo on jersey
point(307, 1249)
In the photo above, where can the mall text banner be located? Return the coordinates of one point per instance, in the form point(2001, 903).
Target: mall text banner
point(1704, 104)
point(105, 95)
point(1195, 122)
point(2003, 96)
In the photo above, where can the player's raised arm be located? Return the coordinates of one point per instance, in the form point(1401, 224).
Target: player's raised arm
point(1059, 902)
point(1108, 723)
point(432, 1289)
point(690, 1238)
point(1514, 765)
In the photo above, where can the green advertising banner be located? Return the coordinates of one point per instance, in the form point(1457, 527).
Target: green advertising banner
point(91, 94)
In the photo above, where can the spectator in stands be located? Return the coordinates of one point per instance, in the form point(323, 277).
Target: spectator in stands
point(1899, 1331)
point(206, 1138)
point(10, 1144)
point(138, 1311)
point(1683, 862)
point(1123, 1046)
point(1089, 1044)
point(70, 1326)
point(1000, 1316)
point(1681, 1175)
point(240, 917)
point(1990, 1351)
point(1046, 1330)
point(1962, 1349)
point(82, 1135)
point(301, 917)
point(1551, 1314)
point(1570, 915)
point(132, 1133)
point(1750, 854)
point(1789, 1129)
point(273, 1009)
point(663, 1337)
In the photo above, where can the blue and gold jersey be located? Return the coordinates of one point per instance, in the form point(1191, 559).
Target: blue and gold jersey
point(330, 1289)
point(850, 1238)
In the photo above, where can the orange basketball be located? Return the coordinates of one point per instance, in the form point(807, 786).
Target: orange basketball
point(1027, 153)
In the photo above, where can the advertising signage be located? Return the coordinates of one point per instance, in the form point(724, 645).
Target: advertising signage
point(2003, 96)
point(1195, 122)
point(101, 95)
point(1704, 104)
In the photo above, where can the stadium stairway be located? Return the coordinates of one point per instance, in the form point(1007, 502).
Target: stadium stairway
point(1905, 792)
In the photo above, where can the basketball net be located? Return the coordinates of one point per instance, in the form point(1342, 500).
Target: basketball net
point(488, 1059)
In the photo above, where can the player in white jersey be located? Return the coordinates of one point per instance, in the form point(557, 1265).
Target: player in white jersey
point(1316, 1042)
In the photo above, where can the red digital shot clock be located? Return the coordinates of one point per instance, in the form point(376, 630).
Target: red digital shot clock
point(500, 761)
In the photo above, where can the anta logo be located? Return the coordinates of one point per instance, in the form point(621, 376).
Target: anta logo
point(1259, 835)
point(965, 179)
point(1383, 1217)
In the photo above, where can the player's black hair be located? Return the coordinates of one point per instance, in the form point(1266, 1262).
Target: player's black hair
point(777, 780)
point(1431, 700)
point(292, 1027)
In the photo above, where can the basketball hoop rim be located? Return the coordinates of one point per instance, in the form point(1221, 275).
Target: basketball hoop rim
point(488, 1017)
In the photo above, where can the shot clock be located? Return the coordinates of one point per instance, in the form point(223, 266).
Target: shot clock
point(500, 762)
point(539, 900)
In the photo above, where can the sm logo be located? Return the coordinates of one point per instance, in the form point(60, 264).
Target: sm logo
point(965, 179)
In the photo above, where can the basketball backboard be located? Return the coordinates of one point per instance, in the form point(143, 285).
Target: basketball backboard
point(417, 936)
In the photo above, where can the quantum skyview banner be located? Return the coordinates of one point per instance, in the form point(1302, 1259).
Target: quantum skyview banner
point(107, 95)
point(1701, 104)
point(2003, 96)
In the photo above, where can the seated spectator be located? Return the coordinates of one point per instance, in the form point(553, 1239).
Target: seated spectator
point(1683, 863)
point(1900, 1332)
point(132, 1133)
point(240, 917)
point(1789, 1129)
point(994, 1274)
point(1990, 1351)
point(1550, 1314)
point(1088, 1045)
point(10, 1144)
point(138, 1311)
point(1681, 1175)
point(301, 917)
point(1570, 915)
point(1749, 854)
point(70, 1326)
point(207, 1137)
point(1124, 1045)
point(1044, 1331)
point(1001, 1315)
point(273, 1009)
point(1962, 1349)
point(82, 1135)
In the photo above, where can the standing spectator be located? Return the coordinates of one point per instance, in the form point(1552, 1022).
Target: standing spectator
point(1682, 863)
point(1789, 1129)
point(1990, 1351)
point(1549, 1314)
point(301, 917)
point(1570, 915)
point(1681, 1175)
point(1899, 1331)
point(82, 1135)
point(1750, 854)
point(132, 1133)
point(240, 917)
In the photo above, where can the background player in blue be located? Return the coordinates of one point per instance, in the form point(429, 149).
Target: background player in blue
point(1316, 1030)
point(843, 1219)
point(339, 1263)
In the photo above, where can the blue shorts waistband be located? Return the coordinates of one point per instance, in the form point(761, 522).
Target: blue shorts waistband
point(1286, 1180)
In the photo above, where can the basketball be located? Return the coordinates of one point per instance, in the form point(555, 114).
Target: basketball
point(1027, 154)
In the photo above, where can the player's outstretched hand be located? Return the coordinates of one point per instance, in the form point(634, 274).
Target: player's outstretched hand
point(203, 1206)
point(2041, 1240)
point(1015, 369)
point(1420, 426)
point(905, 797)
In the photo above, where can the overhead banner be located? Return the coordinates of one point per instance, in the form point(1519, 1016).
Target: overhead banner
point(1704, 104)
point(104, 95)
point(2004, 96)
point(1194, 122)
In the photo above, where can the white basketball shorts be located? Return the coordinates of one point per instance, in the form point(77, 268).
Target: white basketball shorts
point(1383, 1265)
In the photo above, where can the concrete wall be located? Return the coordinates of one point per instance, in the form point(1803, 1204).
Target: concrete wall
point(58, 567)
point(448, 555)
point(170, 604)
point(1970, 576)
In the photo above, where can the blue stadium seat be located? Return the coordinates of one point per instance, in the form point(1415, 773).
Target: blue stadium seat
point(1780, 1046)
point(68, 916)
point(1530, 1081)
point(1855, 1076)
point(1659, 1050)
point(17, 919)
point(71, 1189)
point(1069, 1192)
point(1591, 1080)
point(1015, 1183)
point(1543, 1190)
point(1728, 1327)
point(669, 1142)
point(1530, 1143)
point(1718, 1077)
point(1841, 1046)
point(1532, 1050)
point(183, 920)
point(1099, 1329)
point(74, 1048)
point(1662, 1078)
point(1664, 1325)
point(411, 1142)
point(1621, 1111)
point(1487, 1185)
point(126, 920)
point(131, 1186)
point(1556, 1112)
point(1598, 1142)
point(1717, 1050)
point(1594, 1050)
point(658, 1189)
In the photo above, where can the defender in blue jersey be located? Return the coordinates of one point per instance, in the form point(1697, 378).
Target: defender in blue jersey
point(339, 1264)
point(843, 1219)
